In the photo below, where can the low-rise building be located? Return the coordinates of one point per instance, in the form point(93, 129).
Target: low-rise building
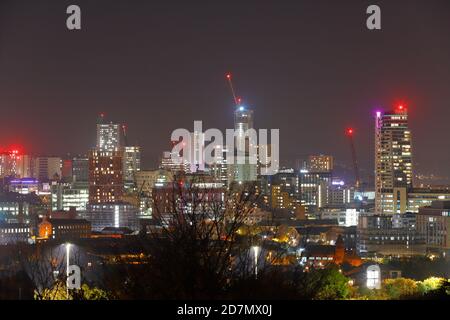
point(64, 229)
point(117, 215)
point(433, 223)
point(11, 233)
point(391, 235)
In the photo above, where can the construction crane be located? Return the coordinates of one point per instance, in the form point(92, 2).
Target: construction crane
point(350, 132)
point(237, 100)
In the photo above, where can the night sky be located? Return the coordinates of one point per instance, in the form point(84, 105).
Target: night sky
point(309, 68)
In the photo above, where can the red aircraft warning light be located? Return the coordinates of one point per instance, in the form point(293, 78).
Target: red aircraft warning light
point(401, 108)
point(350, 131)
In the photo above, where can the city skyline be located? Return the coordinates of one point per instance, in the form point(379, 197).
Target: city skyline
point(219, 152)
point(154, 94)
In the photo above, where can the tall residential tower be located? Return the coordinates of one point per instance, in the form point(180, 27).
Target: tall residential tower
point(393, 159)
point(243, 121)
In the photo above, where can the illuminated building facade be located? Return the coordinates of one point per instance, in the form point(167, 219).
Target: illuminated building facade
point(393, 159)
point(105, 176)
point(313, 189)
point(219, 168)
point(24, 185)
point(11, 233)
point(64, 228)
point(280, 199)
point(70, 195)
point(108, 136)
point(131, 163)
point(167, 163)
point(115, 215)
point(433, 223)
point(14, 164)
point(320, 163)
point(244, 147)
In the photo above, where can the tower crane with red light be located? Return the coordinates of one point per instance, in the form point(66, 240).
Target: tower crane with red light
point(237, 100)
point(350, 133)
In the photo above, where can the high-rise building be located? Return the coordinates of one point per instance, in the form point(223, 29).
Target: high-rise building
point(320, 163)
point(219, 168)
point(47, 168)
point(167, 163)
point(314, 187)
point(14, 164)
point(105, 176)
point(108, 136)
point(197, 161)
point(393, 158)
point(80, 169)
point(131, 163)
point(244, 147)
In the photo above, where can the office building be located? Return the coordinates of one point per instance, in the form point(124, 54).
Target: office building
point(131, 163)
point(12, 233)
point(105, 176)
point(320, 163)
point(14, 164)
point(115, 215)
point(313, 189)
point(109, 136)
point(80, 169)
point(389, 235)
point(47, 168)
point(168, 163)
point(69, 195)
point(219, 168)
point(433, 223)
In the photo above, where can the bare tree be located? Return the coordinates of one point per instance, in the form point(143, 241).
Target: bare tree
point(45, 265)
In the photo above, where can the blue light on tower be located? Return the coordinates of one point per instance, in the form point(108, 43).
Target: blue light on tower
point(241, 108)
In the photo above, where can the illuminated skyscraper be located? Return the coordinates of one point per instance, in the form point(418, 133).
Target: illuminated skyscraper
point(393, 159)
point(108, 136)
point(243, 121)
point(131, 163)
point(105, 176)
point(219, 168)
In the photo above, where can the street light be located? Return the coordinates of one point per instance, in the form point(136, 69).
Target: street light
point(68, 245)
point(256, 250)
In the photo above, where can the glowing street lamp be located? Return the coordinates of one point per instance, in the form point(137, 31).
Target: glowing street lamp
point(68, 245)
point(256, 250)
